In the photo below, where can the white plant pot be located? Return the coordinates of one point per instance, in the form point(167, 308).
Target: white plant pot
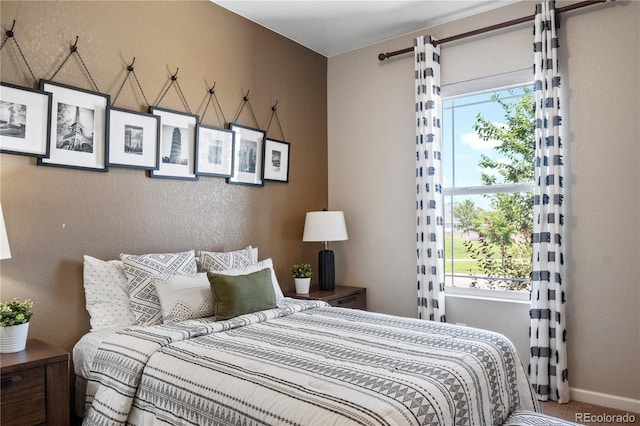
point(302, 285)
point(13, 338)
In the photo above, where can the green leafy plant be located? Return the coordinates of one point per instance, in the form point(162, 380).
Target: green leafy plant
point(15, 312)
point(301, 270)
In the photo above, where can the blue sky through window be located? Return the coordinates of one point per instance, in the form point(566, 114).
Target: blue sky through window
point(462, 144)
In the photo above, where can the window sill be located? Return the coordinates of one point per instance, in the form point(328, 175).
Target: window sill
point(490, 295)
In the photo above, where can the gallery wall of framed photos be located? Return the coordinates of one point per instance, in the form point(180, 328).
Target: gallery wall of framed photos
point(66, 126)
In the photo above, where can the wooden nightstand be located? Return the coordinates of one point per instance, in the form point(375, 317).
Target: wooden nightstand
point(35, 386)
point(341, 296)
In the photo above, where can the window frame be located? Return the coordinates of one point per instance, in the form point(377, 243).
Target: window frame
point(494, 83)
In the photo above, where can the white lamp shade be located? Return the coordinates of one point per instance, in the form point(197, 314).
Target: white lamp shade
point(325, 226)
point(5, 251)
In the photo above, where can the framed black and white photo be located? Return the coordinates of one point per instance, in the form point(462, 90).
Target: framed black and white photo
point(215, 151)
point(178, 142)
point(24, 120)
point(79, 127)
point(276, 160)
point(247, 155)
point(134, 139)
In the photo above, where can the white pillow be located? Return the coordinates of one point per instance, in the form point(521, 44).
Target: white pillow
point(214, 261)
point(139, 270)
point(267, 263)
point(106, 293)
point(184, 297)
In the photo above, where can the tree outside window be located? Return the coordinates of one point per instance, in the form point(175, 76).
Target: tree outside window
point(489, 189)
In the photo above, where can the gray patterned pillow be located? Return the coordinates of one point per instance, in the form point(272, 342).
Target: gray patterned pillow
point(141, 268)
point(214, 261)
point(184, 297)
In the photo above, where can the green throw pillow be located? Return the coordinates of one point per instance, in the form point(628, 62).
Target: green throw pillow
point(235, 295)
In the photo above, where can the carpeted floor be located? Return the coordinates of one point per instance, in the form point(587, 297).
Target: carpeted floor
point(589, 414)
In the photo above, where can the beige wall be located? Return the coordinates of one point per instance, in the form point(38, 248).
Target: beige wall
point(372, 169)
point(55, 216)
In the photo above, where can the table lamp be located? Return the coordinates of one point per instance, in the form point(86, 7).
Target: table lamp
point(325, 226)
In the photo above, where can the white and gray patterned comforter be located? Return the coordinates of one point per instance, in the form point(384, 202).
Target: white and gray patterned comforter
point(306, 364)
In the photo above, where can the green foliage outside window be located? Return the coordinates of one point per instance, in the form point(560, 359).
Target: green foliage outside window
point(504, 248)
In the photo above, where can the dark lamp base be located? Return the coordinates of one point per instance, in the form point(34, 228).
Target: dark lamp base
point(326, 270)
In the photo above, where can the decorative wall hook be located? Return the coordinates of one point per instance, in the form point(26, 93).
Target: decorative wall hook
point(174, 79)
point(74, 47)
point(213, 99)
point(10, 32)
point(129, 72)
point(10, 35)
point(274, 113)
point(245, 100)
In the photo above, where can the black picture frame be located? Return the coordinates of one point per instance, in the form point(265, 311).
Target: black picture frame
point(215, 151)
point(276, 160)
point(134, 139)
point(24, 120)
point(247, 155)
point(79, 128)
point(176, 128)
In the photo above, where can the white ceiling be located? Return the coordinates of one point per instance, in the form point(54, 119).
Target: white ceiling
point(331, 27)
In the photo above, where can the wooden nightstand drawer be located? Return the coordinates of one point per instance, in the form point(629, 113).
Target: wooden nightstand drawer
point(357, 300)
point(341, 296)
point(23, 397)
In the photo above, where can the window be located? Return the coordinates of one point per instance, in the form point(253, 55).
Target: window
point(488, 172)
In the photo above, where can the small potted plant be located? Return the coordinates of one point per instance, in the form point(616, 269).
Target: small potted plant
point(301, 273)
point(14, 325)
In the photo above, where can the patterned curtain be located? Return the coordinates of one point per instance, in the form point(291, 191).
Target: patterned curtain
point(429, 198)
point(548, 369)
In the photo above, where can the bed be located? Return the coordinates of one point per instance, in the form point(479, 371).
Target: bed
point(296, 362)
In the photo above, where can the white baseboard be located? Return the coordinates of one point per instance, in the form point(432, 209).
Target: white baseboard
point(606, 400)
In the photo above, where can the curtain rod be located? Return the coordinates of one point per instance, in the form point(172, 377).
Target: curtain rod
point(383, 56)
